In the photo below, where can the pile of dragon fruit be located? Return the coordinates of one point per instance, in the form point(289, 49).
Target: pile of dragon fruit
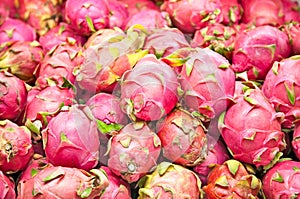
point(149, 99)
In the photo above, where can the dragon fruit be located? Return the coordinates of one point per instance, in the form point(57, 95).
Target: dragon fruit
point(170, 181)
point(7, 187)
point(15, 147)
point(281, 87)
point(150, 90)
point(133, 151)
point(64, 182)
point(71, 139)
point(21, 59)
point(218, 37)
point(183, 139)
point(4, 13)
point(58, 66)
point(217, 154)
point(15, 30)
point(296, 141)
point(293, 32)
point(257, 49)
point(282, 180)
point(268, 12)
point(106, 109)
point(62, 33)
point(190, 15)
point(13, 96)
point(231, 180)
point(258, 140)
point(291, 11)
point(149, 19)
point(164, 41)
point(231, 11)
point(110, 56)
point(136, 6)
point(10, 7)
point(118, 13)
point(87, 16)
point(117, 188)
point(206, 79)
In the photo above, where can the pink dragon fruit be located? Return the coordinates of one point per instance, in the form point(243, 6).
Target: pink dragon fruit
point(257, 49)
point(108, 57)
point(44, 105)
point(150, 90)
point(190, 15)
point(282, 180)
point(15, 30)
point(291, 11)
point(296, 141)
point(218, 37)
point(268, 12)
point(58, 66)
point(21, 59)
point(117, 188)
point(133, 152)
point(10, 7)
point(42, 15)
point(64, 182)
point(231, 180)
point(106, 109)
point(164, 41)
point(206, 79)
point(13, 96)
point(136, 6)
point(7, 187)
point(293, 32)
point(71, 139)
point(118, 13)
point(231, 11)
point(258, 140)
point(4, 13)
point(282, 88)
point(15, 147)
point(150, 19)
point(87, 16)
point(183, 139)
point(170, 181)
point(217, 154)
point(62, 33)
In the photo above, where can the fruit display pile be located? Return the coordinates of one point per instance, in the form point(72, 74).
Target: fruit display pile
point(149, 99)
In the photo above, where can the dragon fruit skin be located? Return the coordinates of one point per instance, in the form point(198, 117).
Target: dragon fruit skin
point(118, 14)
point(164, 41)
point(293, 31)
point(71, 139)
point(15, 30)
point(13, 96)
point(87, 16)
point(136, 6)
point(21, 59)
point(231, 180)
point(183, 139)
point(281, 87)
point(231, 11)
point(282, 180)
point(15, 147)
point(117, 188)
point(62, 33)
point(58, 66)
point(257, 49)
point(64, 182)
point(7, 187)
point(150, 90)
point(170, 181)
point(189, 16)
point(133, 152)
point(217, 154)
point(257, 140)
point(296, 141)
point(291, 11)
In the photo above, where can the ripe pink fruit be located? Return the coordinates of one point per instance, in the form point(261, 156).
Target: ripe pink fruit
point(15, 147)
point(296, 141)
point(291, 11)
point(257, 49)
point(71, 139)
point(293, 32)
point(150, 90)
point(170, 181)
point(282, 88)
point(231, 11)
point(13, 96)
point(138, 5)
point(183, 139)
point(7, 187)
point(282, 180)
point(118, 13)
point(64, 182)
point(257, 140)
point(133, 151)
